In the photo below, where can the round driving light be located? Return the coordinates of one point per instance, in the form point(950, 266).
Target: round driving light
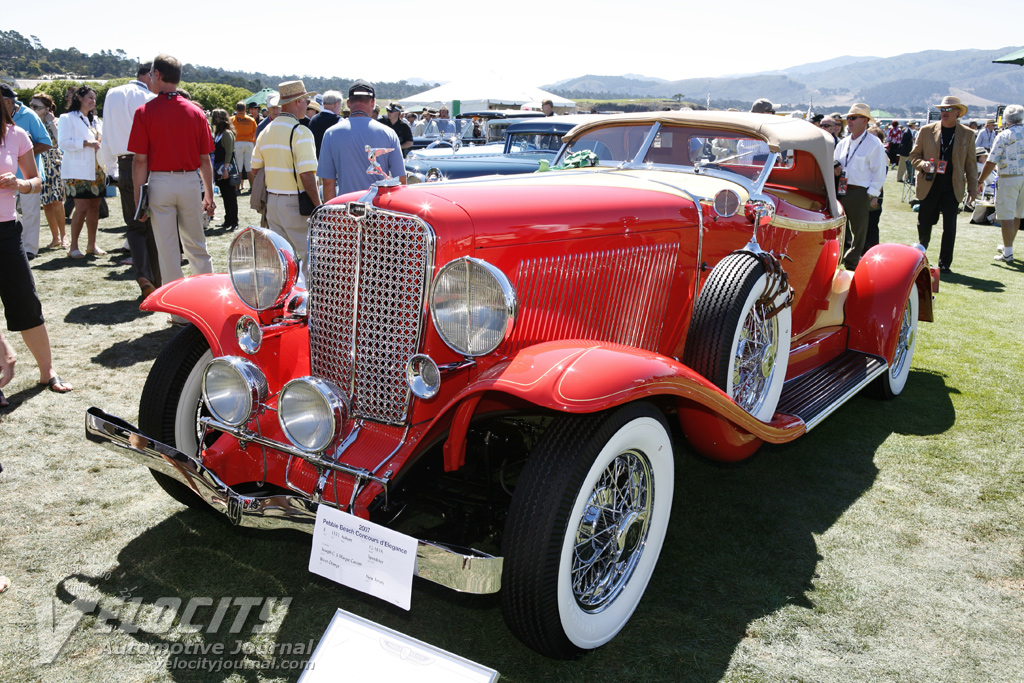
point(727, 203)
point(263, 268)
point(473, 306)
point(311, 412)
point(233, 389)
point(423, 376)
point(249, 334)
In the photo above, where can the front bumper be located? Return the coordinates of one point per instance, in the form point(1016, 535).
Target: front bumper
point(464, 571)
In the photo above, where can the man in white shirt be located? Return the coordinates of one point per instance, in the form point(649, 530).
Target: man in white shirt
point(860, 164)
point(118, 114)
point(987, 135)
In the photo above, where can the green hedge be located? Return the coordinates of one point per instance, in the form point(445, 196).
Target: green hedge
point(207, 95)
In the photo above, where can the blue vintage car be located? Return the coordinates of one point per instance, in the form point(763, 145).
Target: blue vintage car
point(527, 143)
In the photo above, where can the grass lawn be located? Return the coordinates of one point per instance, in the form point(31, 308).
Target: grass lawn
point(883, 546)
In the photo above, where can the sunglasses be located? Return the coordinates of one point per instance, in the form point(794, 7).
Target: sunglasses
point(946, 110)
point(854, 117)
point(37, 107)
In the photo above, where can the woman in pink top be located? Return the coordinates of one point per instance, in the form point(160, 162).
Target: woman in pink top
point(21, 306)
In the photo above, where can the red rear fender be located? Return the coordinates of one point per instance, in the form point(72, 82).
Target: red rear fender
point(879, 293)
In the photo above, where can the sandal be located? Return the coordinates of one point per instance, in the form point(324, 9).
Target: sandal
point(75, 253)
point(54, 382)
point(96, 252)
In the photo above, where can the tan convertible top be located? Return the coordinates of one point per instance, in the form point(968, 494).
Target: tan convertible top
point(780, 132)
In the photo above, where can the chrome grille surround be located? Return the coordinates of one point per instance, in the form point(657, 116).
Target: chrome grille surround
point(368, 281)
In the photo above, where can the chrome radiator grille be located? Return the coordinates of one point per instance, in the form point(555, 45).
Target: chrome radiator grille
point(367, 283)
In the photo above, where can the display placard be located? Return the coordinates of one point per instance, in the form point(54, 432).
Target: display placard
point(360, 554)
point(356, 649)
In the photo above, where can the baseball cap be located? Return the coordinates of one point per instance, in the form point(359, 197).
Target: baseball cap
point(361, 88)
point(394, 106)
point(8, 92)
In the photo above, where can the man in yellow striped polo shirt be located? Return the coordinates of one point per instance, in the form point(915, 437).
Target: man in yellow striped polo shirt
point(286, 154)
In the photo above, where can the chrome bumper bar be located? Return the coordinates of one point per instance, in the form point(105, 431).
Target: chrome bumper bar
point(465, 571)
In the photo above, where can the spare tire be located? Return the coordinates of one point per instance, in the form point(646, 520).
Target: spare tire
point(740, 333)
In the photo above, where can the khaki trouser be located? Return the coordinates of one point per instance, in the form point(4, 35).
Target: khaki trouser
point(283, 217)
point(176, 209)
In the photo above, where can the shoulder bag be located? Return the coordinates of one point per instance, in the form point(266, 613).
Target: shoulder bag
point(306, 205)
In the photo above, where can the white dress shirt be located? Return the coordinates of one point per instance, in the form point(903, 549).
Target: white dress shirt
point(118, 114)
point(864, 161)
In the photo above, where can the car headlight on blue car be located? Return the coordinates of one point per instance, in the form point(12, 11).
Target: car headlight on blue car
point(473, 306)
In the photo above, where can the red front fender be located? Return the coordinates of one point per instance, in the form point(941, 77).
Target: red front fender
point(207, 301)
point(879, 293)
point(588, 376)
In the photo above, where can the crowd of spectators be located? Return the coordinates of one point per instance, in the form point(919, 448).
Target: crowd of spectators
point(166, 156)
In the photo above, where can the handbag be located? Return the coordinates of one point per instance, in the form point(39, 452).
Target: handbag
point(234, 178)
point(306, 204)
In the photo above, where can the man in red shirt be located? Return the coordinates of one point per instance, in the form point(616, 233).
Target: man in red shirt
point(171, 140)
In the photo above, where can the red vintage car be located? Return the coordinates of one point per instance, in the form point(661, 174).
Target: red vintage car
point(521, 359)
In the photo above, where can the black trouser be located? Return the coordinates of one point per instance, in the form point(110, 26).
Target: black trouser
point(17, 287)
point(227, 191)
point(857, 206)
point(140, 234)
point(940, 199)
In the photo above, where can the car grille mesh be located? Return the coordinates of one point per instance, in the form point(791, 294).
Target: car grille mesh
point(366, 303)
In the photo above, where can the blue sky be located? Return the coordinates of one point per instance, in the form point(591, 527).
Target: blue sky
point(528, 41)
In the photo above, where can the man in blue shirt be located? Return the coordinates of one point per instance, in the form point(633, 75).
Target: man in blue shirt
point(27, 120)
point(343, 156)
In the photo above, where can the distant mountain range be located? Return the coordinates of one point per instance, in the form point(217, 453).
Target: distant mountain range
point(906, 84)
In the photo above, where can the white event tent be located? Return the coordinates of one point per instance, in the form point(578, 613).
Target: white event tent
point(490, 93)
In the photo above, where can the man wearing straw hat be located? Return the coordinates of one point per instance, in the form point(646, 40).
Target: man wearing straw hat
point(286, 154)
point(944, 159)
point(860, 164)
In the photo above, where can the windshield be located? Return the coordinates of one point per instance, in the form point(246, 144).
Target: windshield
point(447, 128)
point(613, 144)
point(533, 142)
point(680, 146)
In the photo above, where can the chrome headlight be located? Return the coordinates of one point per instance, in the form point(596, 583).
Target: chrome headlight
point(263, 268)
point(473, 305)
point(233, 389)
point(311, 412)
point(423, 376)
point(249, 334)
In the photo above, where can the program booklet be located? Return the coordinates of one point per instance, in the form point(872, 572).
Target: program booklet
point(142, 209)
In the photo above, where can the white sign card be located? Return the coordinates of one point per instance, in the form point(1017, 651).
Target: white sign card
point(360, 554)
point(356, 649)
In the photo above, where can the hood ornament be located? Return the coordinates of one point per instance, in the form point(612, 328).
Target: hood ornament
point(375, 168)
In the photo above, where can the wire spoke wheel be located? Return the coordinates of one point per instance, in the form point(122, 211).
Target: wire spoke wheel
point(893, 381)
point(612, 531)
point(739, 341)
point(585, 528)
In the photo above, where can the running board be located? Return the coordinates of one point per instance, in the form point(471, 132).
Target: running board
point(815, 395)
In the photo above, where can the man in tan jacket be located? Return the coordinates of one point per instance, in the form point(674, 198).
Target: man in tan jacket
point(943, 157)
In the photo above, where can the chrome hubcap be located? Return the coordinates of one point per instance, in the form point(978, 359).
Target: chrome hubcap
point(612, 532)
